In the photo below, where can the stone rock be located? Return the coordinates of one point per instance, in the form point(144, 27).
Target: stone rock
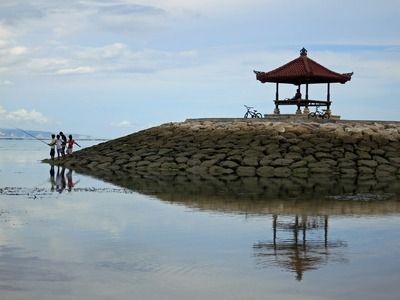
point(169, 165)
point(322, 170)
point(181, 159)
point(386, 168)
point(282, 172)
point(346, 163)
point(365, 170)
point(193, 162)
point(282, 162)
point(319, 155)
point(319, 164)
point(265, 171)
point(293, 155)
point(395, 160)
point(384, 176)
point(367, 163)
point(300, 171)
point(121, 162)
point(209, 163)
point(363, 154)
point(142, 163)
point(154, 165)
point(380, 159)
point(228, 164)
point(295, 149)
point(350, 155)
point(197, 170)
point(310, 158)
point(236, 158)
point(299, 164)
point(348, 171)
point(250, 161)
point(135, 158)
point(246, 171)
point(217, 170)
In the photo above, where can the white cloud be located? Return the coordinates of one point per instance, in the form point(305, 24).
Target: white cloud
point(6, 82)
point(122, 124)
point(77, 70)
point(22, 115)
point(18, 50)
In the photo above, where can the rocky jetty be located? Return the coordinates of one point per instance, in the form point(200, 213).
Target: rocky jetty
point(253, 148)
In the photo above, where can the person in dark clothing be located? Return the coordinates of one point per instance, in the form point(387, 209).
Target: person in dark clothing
point(298, 95)
point(52, 145)
point(64, 143)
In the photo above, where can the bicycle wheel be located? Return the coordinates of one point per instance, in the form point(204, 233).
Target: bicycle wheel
point(259, 115)
point(246, 115)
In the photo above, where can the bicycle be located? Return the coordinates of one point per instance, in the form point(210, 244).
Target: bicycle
point(252, 113)
point(319, 114)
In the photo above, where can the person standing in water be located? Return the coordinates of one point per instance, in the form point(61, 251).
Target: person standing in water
point(52, 145)
point(64, 143)
point(59, 146)
point(70, 144)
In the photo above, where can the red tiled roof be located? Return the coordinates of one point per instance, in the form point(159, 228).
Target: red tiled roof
point(302, 70)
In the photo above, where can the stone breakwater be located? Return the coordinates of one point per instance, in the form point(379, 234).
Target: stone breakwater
point(362, 150)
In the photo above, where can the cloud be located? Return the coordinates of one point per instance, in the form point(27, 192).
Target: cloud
point(6, 82)
point(13, 11)
point(77, 70)
point(22, 115)
point(122, 124)
point(130, 9)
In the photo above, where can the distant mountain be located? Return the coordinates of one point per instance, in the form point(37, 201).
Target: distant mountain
point(7, 133)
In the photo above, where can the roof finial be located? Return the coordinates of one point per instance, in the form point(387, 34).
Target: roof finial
point(303, 52)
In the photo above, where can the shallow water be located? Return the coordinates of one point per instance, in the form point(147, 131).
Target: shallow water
point(82, 238)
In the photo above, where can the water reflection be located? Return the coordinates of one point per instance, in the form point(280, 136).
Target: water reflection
point(52, 179)
point(300, 209)
point(232, 187)
point(299, 244)
point(62, 180)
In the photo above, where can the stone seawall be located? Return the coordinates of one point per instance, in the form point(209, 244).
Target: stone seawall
point(234, 149)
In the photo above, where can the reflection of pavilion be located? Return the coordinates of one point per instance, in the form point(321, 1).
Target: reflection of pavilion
point(306, 248)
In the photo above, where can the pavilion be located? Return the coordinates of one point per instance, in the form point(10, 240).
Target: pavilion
point(302, 70)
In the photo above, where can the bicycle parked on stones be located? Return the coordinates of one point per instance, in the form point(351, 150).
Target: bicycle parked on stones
point(252, 113)
point(317, 114)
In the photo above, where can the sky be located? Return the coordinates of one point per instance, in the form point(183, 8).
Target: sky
point(108, 68)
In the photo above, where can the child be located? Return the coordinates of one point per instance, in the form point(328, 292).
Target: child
point(70, 144)
point(52, 145)
point(59, 146)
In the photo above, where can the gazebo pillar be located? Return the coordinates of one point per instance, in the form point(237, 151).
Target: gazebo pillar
point(328, 99)
point(306, 111)
point(276, 110)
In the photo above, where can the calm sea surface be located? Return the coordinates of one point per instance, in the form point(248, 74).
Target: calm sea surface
point(68, 236)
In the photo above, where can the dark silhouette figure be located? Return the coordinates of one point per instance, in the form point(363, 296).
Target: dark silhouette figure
point(52, 178)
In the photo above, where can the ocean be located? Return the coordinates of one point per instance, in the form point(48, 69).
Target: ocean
point(64, 235)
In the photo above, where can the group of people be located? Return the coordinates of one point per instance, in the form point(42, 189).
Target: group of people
point(60, 143)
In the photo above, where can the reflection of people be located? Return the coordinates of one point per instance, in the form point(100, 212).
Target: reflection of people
point(70, 183)
point(297, 96)
point(52, 179)
point(60, 180)
point(70, 144)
